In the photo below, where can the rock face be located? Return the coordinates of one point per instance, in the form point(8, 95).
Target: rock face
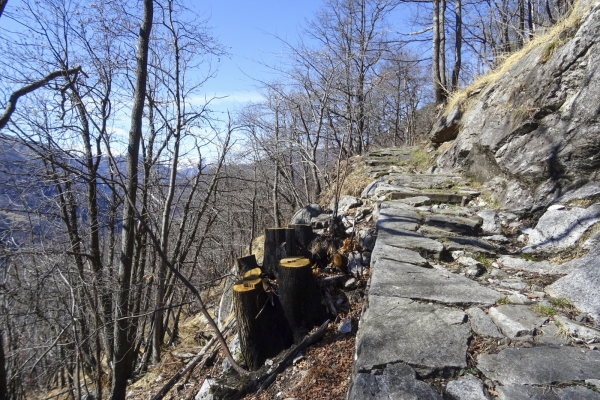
point(535, 129)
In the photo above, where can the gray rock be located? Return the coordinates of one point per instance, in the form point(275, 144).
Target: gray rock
point(539, 267)
point(397, 381)
point(304, 215)
point(366, 239)
point(446, 128)
point(467, 387)
point(394, 219)
point(345, 326)
point(518, 298)
point(497, 238)
point(540, 365)
point(513, 283)
point(417, 201)
point(397, 329)
point(594, 382)
point(581, 287)
point(396, 204)
point(577, 330)
point(369, 191)
point(426, 181)
point(397, 279)
point(355, 264)
point(516, 321)
point(592, 244)
point(412, 240)
point(386, 252)
point(482, 324)
point(491, 222)
point(550, 334)
point(472, 267)
point(454, 224)
point(588, 191)
point(527, 392)
point(321, 222)
point(551, 147)
point(345, 203)
point(211, 389)
point(384, 189)
point(471, 245)
point(558, 229)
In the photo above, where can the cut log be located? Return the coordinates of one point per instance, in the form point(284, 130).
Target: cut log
point(279, 243)
point(304, 236)
point(262, 328)
point(245, 264)
point(300, 296)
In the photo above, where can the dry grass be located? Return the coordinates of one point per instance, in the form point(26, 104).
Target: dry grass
point(354, 178)
point(552, 39)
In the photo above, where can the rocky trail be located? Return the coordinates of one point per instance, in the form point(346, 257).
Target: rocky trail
point(466, 302)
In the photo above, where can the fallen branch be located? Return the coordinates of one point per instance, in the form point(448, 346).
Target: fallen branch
point(310, 339)
point(14, 97)
point(190, 365)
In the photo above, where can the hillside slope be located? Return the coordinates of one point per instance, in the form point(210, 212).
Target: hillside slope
point(533, 135)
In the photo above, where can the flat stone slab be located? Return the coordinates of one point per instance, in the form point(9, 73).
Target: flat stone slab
point(482, 324)
point(392, 220)
point(539, 267)
point(581, 287)
point(395, 329)
point(425, 181)
point(559, 229)
point(413, 241)
point(577, 330)
point(385, 189)
point(540, 365)
point(398, 381)
point(467, 387)
point(527, 392)
point(398, 279)
point(435, 196)
point(516, 321)
point(385, 252)
point(417, 201)
point(454, 224)
point(491, 222)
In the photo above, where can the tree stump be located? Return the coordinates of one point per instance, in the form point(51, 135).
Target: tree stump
point(279, 243)
point(244, 264)
point(304, 236)
point(261, 324)
point(300, 296)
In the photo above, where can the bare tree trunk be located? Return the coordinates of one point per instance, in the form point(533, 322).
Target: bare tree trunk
point(3, 379)
point(123, 348)
point(438, 89)
point(457, 45)
point(442, 33)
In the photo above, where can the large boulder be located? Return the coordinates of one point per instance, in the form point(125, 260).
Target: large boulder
point(304, 215)
point(537, 124)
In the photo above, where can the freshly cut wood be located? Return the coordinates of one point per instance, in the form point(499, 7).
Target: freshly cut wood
point(300, 296)
point(279, 243)
point(245, 264)
point(304, 236)
point(262, 328)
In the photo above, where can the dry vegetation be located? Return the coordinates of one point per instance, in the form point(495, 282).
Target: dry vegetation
point(551, 40)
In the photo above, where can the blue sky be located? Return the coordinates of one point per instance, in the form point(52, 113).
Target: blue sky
point(249, 31)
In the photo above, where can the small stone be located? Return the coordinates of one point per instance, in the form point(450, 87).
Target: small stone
point(516, 321)
point(467, 387)
point(495, 265)
point(582, 318)
point(350, 283)
point(345, 326)
point(298, 358)
point(594, 382)
point(518, 299)
point(556, 207)
point(513, 283)
point(457, 254)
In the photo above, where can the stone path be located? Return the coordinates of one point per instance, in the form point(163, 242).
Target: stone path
point(455, 311)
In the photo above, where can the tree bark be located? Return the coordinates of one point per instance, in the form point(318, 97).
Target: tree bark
point(245, 264)
point(304, 235)
point(300, 296)
point(438, 89)
point(457, 45)
point(123, 349)
point(279, 243)
point(262, 328)
point(3, 380)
